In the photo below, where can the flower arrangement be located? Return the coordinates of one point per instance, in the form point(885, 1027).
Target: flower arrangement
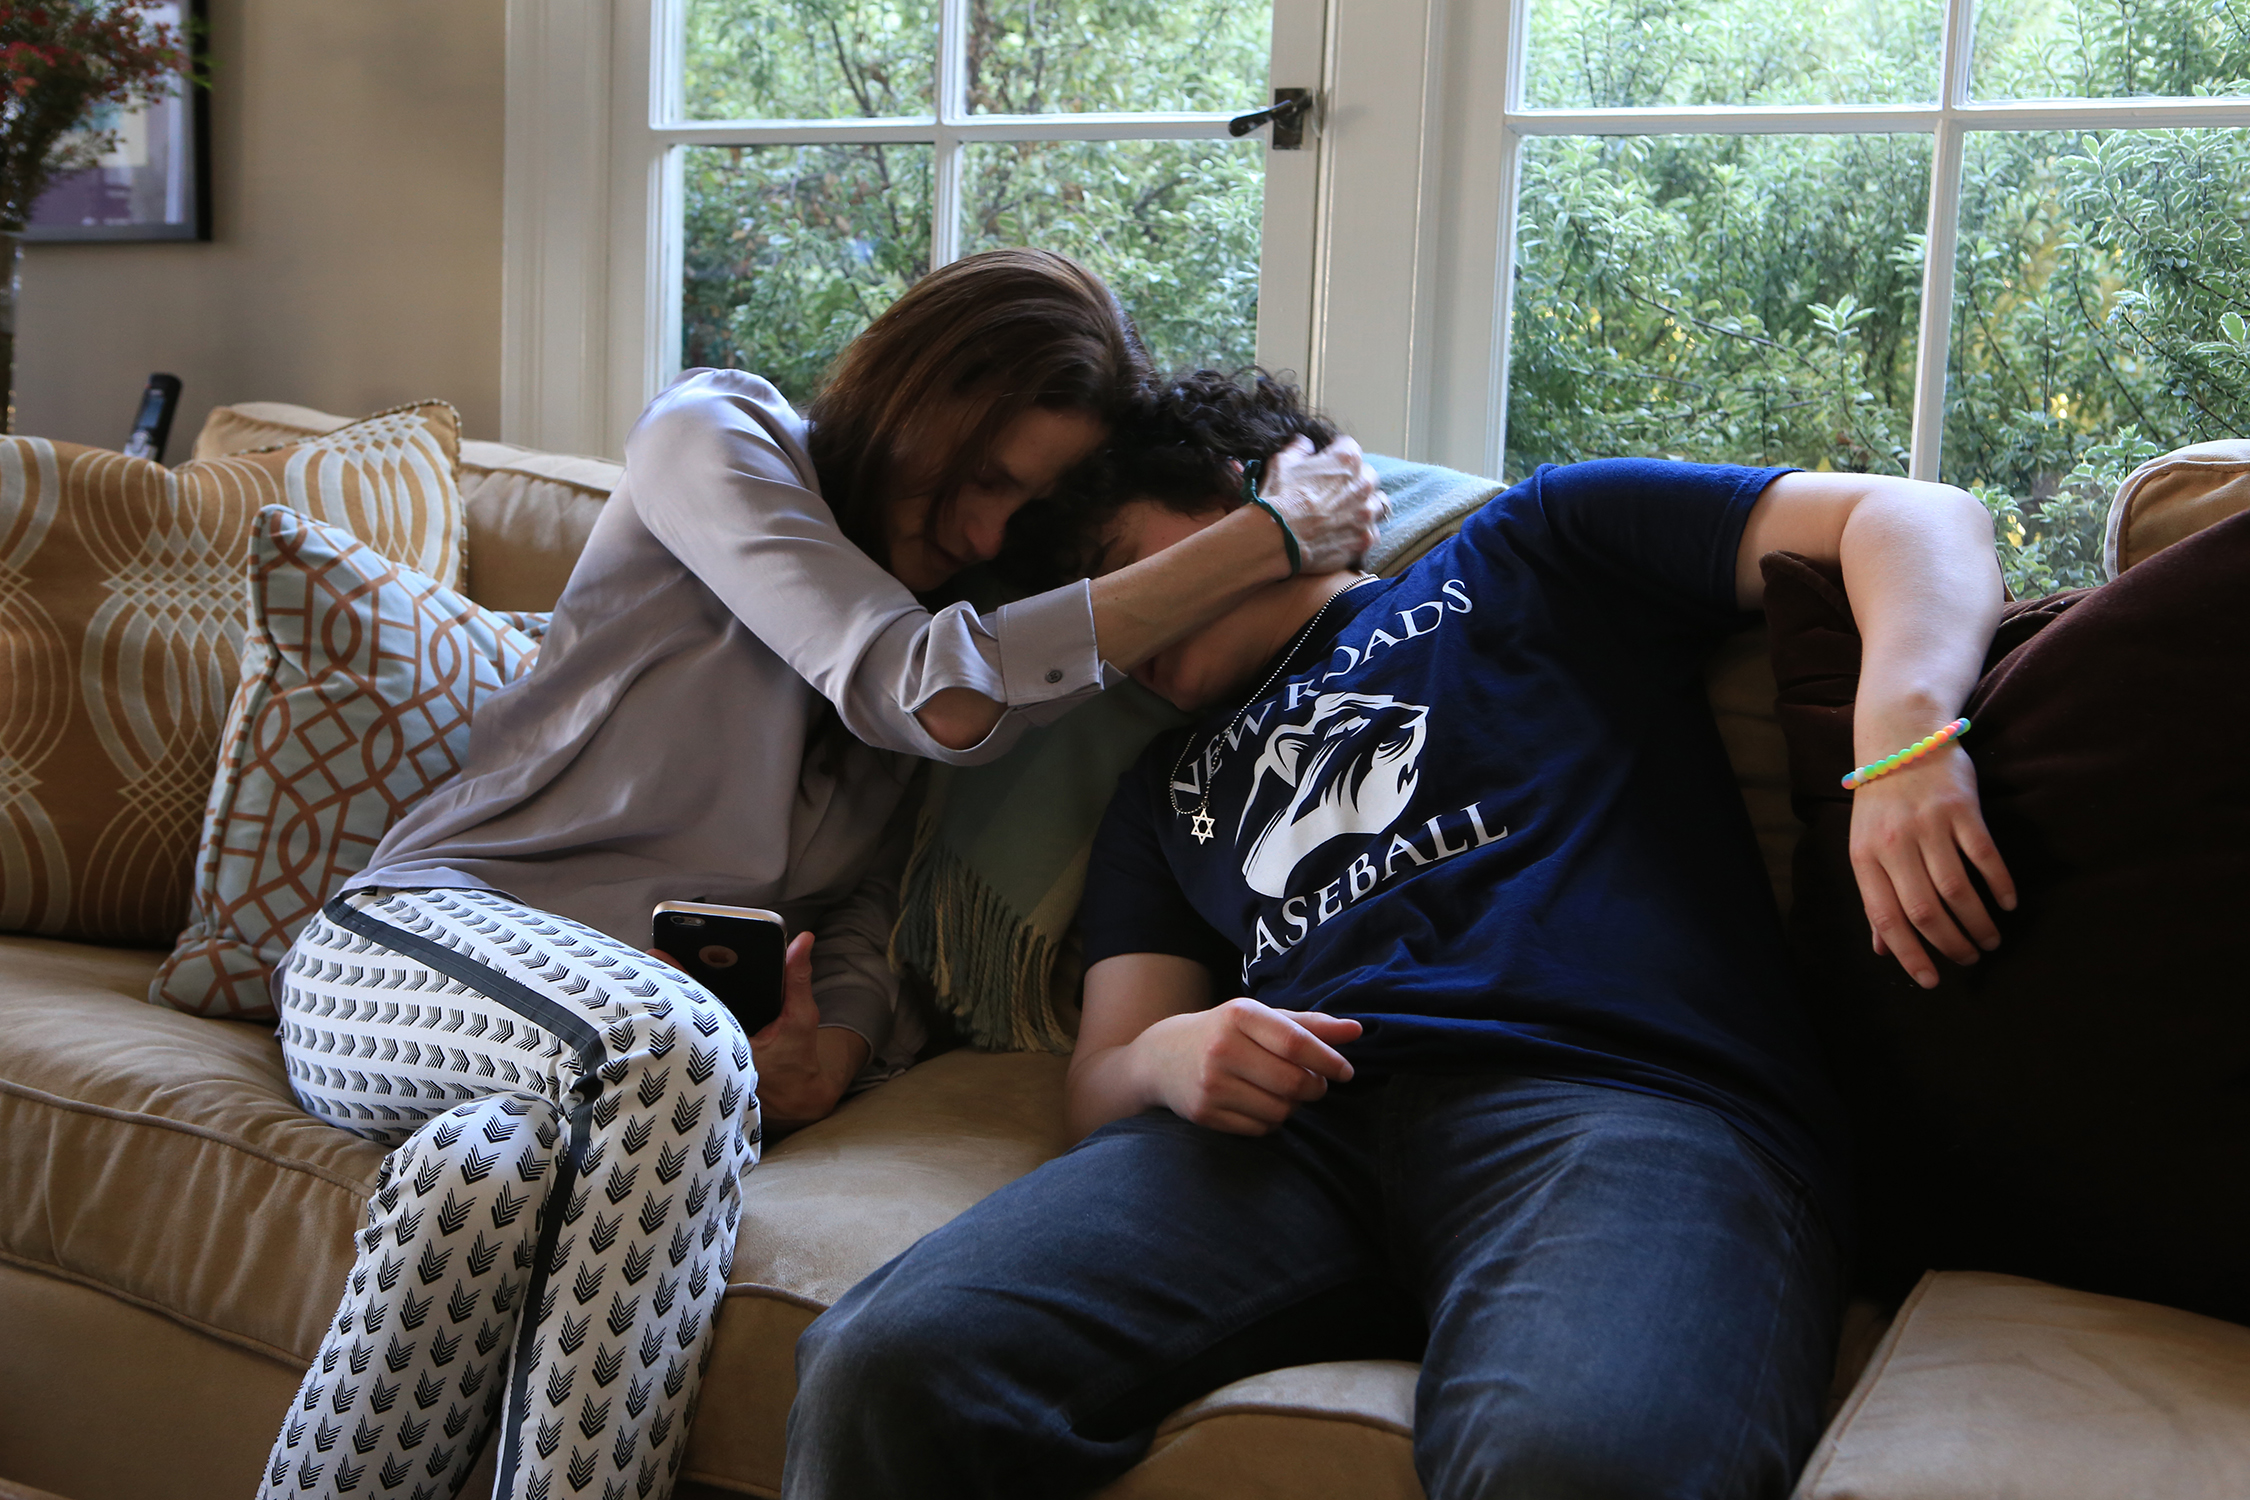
point(60, 61)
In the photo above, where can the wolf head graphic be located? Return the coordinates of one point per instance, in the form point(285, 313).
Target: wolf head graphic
point(1350, 766)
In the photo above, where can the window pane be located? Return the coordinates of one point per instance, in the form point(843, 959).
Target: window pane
point(808, 59)
point(792, 250)
point(2098, 319)
point(1608, 54)
point(1746, 299)
point(2048, 49)
point(1171, 225)
point(1032, 56)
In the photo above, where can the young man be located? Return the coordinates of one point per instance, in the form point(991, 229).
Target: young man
point(1511, 1079)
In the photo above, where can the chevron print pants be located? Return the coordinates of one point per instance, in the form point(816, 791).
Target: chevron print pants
point(551, 1234)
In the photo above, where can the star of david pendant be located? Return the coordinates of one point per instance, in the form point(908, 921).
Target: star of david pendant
point(1203, 825)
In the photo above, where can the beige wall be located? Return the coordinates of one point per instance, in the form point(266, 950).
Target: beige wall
point(356, 178)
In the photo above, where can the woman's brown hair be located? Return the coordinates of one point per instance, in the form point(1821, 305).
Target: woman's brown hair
point(916, 402)
point(1178, 447)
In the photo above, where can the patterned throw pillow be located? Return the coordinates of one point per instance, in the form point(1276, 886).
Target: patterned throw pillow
point(120, 640)
point(358, 683)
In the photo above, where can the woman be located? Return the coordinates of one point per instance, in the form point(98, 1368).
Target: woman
point(551, 1234)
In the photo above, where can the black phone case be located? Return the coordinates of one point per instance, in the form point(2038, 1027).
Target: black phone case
point(747, 979)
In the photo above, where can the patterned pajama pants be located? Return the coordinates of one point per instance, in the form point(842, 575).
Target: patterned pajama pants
point(551, 1234)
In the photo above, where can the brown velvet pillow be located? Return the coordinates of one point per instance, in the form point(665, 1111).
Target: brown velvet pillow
point(2075, 1106)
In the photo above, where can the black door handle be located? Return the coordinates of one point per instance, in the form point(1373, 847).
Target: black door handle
point(1287, 114)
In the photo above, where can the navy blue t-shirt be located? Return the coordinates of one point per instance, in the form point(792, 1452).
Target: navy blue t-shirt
point(1486, 813)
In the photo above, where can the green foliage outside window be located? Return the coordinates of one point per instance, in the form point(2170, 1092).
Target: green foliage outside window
point(1747, 298)
point(1755, 298)
point(792, 250)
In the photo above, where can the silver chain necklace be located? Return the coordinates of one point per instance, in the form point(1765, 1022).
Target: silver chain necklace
point(1202, 824)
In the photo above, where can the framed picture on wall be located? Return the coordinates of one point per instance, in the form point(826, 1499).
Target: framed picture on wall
point(156, 183)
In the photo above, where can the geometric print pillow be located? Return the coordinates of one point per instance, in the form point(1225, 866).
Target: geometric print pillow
point(121, 629)
point(359, 679)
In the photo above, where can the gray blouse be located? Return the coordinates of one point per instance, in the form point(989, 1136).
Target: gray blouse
point(668, 743)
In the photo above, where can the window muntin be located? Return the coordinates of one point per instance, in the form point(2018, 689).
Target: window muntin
point(804, 136)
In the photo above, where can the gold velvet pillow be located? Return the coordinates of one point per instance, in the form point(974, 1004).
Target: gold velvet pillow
point(2171, 498)
point(122, 605)
point(529, 512)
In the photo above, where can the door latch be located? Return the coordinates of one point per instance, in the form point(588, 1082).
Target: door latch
point(1287, 113)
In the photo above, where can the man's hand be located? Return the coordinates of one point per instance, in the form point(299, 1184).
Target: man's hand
point(803, 1067)
point(1925, 591)
point(1242, 1067)
point(1332, 500)
point(1910, 831)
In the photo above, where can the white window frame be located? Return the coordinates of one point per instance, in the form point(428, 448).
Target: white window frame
point(592, 289)
point(1400, 311)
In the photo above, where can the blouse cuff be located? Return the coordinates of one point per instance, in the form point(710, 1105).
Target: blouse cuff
point(1047, 646)
point(855, 1008)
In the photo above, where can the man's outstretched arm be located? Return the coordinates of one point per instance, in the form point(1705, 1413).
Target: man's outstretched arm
point(1925, 589)
point(1150, 1037)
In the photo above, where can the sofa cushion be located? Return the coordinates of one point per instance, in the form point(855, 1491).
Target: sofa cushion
point(1345, 1428)
point(251, 425)
point(120, 639)
point(359, 679)
point(529, 512)
point(2070, 1106)
point(529, 516)
point(2173, 497)
point(836, 1200)
point(1993, 1386)
point(173, 1172)
point(159, 1158)
point(164, 1154)
point(203, 1410)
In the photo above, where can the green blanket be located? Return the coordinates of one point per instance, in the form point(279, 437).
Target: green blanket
point(988, 911)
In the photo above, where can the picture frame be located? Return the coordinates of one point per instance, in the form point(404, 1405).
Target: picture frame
point(156, 184)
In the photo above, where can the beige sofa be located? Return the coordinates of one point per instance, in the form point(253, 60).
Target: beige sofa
point(173, 1231)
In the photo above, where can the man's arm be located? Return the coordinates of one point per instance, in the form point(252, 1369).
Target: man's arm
point(1925, 588)
point(1150, 1036)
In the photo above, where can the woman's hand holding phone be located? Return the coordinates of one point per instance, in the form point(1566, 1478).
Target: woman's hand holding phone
point(803, 1067)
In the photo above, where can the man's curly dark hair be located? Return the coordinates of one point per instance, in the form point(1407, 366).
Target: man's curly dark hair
point(1178, 447)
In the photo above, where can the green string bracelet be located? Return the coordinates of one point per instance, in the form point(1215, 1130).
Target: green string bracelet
point(1899, 759)
point(1250, 472)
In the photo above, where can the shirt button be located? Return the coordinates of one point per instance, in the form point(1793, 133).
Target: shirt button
point(1054, 674)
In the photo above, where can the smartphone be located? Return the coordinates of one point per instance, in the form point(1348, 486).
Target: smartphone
point(735, 952)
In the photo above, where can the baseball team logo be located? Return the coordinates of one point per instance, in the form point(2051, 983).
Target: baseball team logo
point(1349, 766)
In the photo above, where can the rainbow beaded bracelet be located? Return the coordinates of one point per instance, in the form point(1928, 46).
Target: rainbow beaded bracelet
point(1906, 757)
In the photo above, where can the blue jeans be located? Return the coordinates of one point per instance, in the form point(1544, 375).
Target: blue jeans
point(1612, 1295)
